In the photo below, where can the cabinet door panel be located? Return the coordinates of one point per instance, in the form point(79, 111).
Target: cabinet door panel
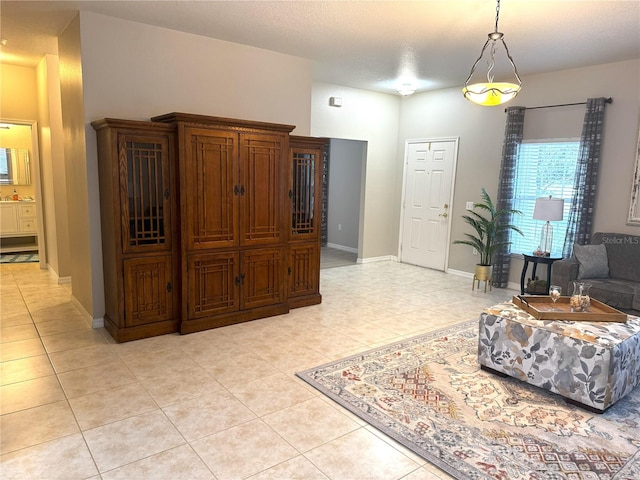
point(261, 196)
point(145, 177)
point(262, 277)
point(8, 219)
point(304, 263)
point(211, 176)
point(148, 290)
point(213, 284)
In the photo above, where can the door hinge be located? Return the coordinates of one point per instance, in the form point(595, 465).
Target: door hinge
point(166, 194)
point(289, 270)
point(169, 287)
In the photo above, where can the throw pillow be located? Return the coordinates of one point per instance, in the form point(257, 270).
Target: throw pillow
point(593, 261)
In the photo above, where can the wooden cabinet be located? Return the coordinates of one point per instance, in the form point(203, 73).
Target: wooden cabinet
point(233, 182)
point(136, 163)
point(305, 192)
point(206, 222)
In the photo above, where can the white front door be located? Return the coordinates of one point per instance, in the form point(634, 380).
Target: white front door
point(429, 170)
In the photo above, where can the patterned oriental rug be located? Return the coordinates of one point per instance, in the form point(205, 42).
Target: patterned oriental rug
point(429, 394)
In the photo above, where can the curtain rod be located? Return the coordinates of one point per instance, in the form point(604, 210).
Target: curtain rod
point(607, 100)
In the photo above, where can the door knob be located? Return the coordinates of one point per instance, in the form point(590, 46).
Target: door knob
point(445, 215)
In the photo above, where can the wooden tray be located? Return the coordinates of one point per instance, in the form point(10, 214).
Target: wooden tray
point(541, 307)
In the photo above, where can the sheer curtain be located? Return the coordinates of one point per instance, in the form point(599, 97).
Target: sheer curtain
point(512, 140)
point(580, 225)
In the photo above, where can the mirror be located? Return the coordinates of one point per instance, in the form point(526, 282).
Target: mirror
point(15, 168)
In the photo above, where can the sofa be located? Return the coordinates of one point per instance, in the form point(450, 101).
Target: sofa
point(611, 264)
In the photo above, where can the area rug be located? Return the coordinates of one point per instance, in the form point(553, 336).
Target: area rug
point(22, 257)
point(429, 394)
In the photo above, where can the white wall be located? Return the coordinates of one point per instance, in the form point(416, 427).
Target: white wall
point(136, 71)
point(371, 117)
point(86, 265)
point(481, 131)
point(346, 166)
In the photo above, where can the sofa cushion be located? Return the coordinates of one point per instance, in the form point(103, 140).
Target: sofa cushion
point(623, 253)
point(615, 292)
point(593, 261)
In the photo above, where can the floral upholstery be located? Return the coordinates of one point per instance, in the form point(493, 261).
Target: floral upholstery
point(594, 363)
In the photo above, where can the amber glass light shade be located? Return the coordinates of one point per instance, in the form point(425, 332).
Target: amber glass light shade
point(491, 94)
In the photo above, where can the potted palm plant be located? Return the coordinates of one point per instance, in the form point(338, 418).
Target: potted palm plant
point(490, 232)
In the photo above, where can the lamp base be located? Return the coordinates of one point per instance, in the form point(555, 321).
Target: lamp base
point(546, 239)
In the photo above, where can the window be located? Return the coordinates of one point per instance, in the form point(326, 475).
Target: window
point(544, 167)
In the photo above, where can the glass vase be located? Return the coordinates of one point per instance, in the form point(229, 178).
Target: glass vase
point(580, 300)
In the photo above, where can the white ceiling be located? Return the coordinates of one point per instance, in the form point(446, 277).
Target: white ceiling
point(364, 44)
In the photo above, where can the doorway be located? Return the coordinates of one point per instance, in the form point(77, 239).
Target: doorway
point(429, 171)
point(21, 217)
point(343, 205)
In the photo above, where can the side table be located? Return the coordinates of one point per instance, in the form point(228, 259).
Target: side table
point(536, 260)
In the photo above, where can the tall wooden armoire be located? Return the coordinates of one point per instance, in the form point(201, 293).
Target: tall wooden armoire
point(206, 222)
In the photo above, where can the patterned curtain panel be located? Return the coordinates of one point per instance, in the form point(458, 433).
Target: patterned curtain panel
point(510, 148)
point(580, 224)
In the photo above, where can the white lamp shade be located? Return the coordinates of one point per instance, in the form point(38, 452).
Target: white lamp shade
point(548, 209)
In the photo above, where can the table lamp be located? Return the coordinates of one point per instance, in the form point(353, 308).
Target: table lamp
point(550, 210)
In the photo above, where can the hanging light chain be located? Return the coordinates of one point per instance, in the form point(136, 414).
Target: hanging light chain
point(497, 14)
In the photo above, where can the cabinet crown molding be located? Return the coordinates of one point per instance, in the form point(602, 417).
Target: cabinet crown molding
point(176, 117)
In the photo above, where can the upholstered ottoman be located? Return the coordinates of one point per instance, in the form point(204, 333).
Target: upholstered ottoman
point(591, 363)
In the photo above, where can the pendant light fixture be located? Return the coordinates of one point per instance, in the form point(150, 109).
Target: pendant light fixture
point(492, 93)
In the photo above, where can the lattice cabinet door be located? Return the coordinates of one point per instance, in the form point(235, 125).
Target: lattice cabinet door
point(148, 290)
point(304, 264)
point(210, 188)
point(261, 188)
point(305, 187)
point(262, 277)
point(213, 284)
point(145, 193)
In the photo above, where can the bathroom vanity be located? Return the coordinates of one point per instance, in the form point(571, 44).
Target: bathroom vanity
point(18, 226)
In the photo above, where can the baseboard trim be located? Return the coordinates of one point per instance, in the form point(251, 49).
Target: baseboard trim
point(386, 258)
point(58, 279)
point(95, 322)
point(342, 247)
point(460, 273)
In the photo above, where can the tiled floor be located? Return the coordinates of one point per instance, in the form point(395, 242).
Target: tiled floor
point(332, 257)
point(219, 404)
